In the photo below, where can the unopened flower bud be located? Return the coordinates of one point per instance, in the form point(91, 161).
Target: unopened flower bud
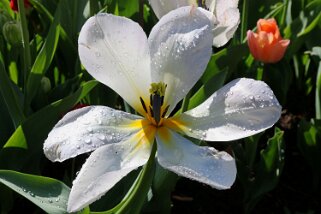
point(12, 33)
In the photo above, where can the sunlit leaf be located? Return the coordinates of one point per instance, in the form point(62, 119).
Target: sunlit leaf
point(49, 194)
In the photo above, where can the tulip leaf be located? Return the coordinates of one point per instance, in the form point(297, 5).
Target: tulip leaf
point(264, 175)
point(43, 10)
point(6, 125)
point(43, 60)
point(222, 59)
point(49, 194)
point(36, 128)
point(309, 142)
point(10, 97)
point(208, 89)
point(127, 8)
point(311, 26)
point(316, 51)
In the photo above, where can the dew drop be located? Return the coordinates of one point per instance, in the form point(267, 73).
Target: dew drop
point(101, 137)
point(57, 199)
point(50, 200)
point(87, 140)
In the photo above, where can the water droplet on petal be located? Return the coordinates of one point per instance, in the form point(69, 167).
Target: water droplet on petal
point(101, 137)
point(87, 140)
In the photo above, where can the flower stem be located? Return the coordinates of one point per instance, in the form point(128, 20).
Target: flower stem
point(25, 41)
point(244, 19)
point(141, 13)
point(136, 198)
point(318, 94)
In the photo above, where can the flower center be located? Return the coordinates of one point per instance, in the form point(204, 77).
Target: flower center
point(156, 110)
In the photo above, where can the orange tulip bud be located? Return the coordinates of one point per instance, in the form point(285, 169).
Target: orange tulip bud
point(267, 44)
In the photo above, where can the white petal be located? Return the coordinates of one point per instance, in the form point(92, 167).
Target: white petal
point(161, 7)
point(85, 129)
point(114, 50)
point(180, 47)
point(240, 109)
point(228, 17)
point(105, 167)
point(222, 5)
point(203, 164)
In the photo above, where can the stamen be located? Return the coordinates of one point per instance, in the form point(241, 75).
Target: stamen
point(165, 111)
point(143, 104)
point(151, 111)
point(157, 93)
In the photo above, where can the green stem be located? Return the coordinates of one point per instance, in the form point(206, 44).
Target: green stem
point(136, 199)
point(244, 19)
point(141, 13)
point(318, 94)
point(25, 41)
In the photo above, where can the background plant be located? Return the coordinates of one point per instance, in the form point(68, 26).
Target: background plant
point(41, 79)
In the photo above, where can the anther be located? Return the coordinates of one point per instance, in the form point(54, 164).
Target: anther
point(165, 111)
point(143, 104)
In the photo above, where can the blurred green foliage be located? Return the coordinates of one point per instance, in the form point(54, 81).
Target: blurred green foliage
point(41, 79)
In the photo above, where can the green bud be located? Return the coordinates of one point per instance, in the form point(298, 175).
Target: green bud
point(12, 33)
point(45, 84)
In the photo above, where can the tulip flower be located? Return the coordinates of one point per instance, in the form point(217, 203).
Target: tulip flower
point(153, 75)
point(267, 45)
point(224, 12)
point(14, 4)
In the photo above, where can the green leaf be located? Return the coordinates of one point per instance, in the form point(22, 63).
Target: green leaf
point(49, 194)
point(43, 60)
point(10, 97)
point(309, 143)
point(311, 26)
point(128, 7)
point(136, 196)
point(213, 84)
point(316, 51)
point(34, 130)
point(222, 60)
point(264, 175)
point(6, 125)
point(43, 10)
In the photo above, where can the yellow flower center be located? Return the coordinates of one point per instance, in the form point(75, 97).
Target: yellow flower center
point(156, 111)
